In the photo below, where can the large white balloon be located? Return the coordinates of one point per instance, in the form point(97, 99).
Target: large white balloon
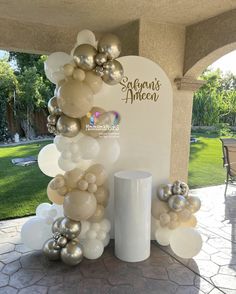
point(163, 235)
point(88, 147)
point(92, 248)
point(48, 160)
point(109, 151)
point(86, 37)
point(35, 233)
point(186, 242)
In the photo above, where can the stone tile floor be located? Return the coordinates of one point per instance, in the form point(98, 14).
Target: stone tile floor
point(212, 271)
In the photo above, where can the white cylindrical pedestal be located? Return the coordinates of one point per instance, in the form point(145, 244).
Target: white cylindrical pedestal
point(132, 215)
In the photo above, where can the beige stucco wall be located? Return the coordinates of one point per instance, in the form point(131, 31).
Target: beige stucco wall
point(164, 44)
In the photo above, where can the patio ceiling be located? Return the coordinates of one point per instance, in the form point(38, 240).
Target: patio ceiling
point(99, 15)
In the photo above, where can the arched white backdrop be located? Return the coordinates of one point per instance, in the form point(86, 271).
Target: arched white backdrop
point(144, 101)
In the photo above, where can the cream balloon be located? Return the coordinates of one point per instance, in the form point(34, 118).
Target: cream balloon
point(54, 196)
point(102, 195)
point(109, 151)
point(93, 248)
point(105, 225)
point(62, 143)
point(93, 81)
point(72, 177)
point(163, 235)
point(182, 248)
point(48, 160)
point(98, 215)
point(66, 165)
point(79, 205)
point(191, 223)
point(75, 98)
point(99, 171)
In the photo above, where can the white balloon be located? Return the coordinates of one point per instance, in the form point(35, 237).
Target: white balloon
point(43, 209)
point(106, 241)
point(66, 154)
point(92, 248)
point(91, 234)
point(109, 151)
point(105, 225)
point(85, 226)
point(101, 235)
point(86, 37)
point(35, 233)
point(52, 212)
point(66, 165)
point(186, 242)
point(49, 220)
point(96, 227)
point(84, 164)
point(88, 147)
point(57, 76)
point(163, 235)
point(62, 143)
point(48, 160)
point(59, 209)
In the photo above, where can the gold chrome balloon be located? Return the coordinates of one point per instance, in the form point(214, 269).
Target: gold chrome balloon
point(113, 72)
point(53, 107)
point(164, 192)
point(101, 58)
point(56, 225)
point(111, 45)
point(69, 228)
point(68, 126)
point(177, 202)
point(84, 56)
point(62, 241)
point(194, 204)
point(50, 251)
point(72, 253)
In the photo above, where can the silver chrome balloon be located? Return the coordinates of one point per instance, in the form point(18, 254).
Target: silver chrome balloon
point(70, 228)
point(99, 70)
point(56, 225)
point(72, 253)
point(50, 251)
point(62, 241)
point(111, 45)
point(193, 203)
point(177, 202)
point(84, 56)
point(164, 192)
point(176, 189)
point(53, 107)
point(68, 126)
point(113, 72)
point(101, 58)
point(184, 189)
point(52, 119)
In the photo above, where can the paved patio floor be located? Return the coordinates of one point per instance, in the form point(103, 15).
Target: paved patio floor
point(212, 271)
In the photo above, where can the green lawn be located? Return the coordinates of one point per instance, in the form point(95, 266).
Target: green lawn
point(205, 166)
point(21, 188)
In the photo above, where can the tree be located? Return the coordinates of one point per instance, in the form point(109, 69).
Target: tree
point(8, 92)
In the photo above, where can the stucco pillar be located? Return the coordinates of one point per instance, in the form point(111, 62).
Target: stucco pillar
point(164, 44)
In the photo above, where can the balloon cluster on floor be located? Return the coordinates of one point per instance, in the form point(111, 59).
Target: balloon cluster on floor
point(173, 220)
point(74, 226)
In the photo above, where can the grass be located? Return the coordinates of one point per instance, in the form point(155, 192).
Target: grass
point(21, 188)
point(205, 165)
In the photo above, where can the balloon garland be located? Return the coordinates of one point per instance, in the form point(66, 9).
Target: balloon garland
point(174, 221)
point(75, 225)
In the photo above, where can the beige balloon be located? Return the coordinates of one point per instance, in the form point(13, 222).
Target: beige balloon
point(100, 173)
point(184, 215)
point(102, 195)
point(68, 69)
point(159, 207)
point(93, 81)
point(82, 185)
point(90, 178)
point(79, 205)
point(85, 121)
point(75, 98)
point(53, 195)
point(62, 191)
point(173, 225)
point(194, 203)
point(92, 188)
point(73, 176)
point(192, 222)
point(173, 216)
point(164, 219)
point(58, 182)
point(98, 215)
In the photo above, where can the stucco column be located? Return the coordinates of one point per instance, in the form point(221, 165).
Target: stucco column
point(164, 44)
